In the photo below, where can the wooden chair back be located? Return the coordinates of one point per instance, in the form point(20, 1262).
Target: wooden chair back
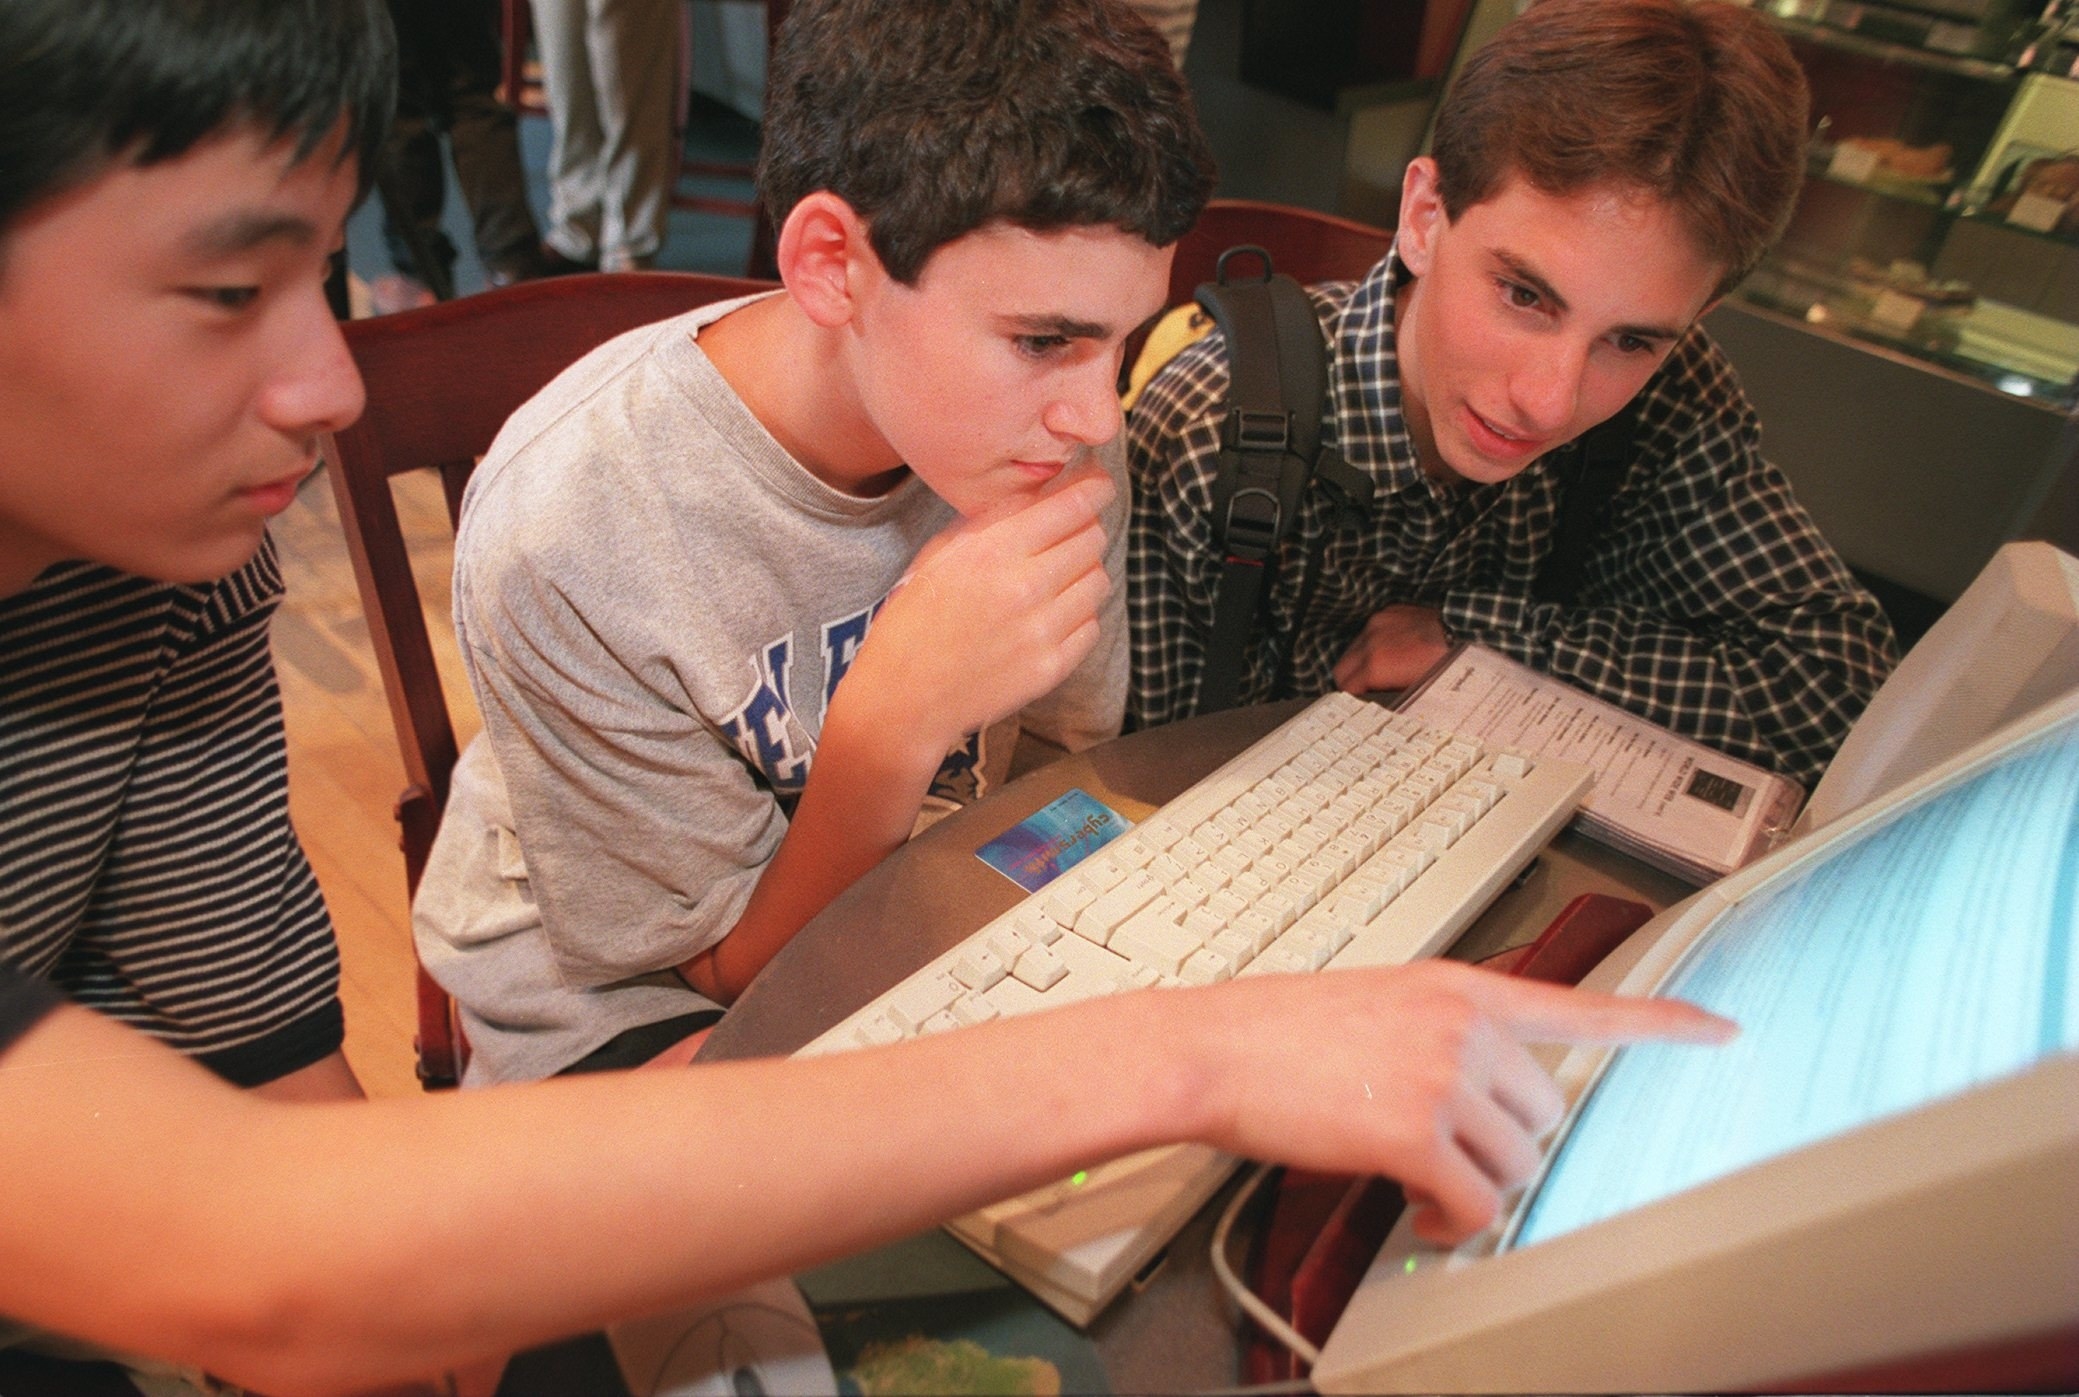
point(441, 382)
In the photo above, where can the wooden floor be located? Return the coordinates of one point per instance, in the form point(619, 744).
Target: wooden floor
point(344, 771)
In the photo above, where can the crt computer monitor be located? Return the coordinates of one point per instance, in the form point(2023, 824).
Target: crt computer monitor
point(1883, 1168)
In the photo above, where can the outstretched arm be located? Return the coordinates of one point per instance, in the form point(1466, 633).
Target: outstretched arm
point(308, 1234)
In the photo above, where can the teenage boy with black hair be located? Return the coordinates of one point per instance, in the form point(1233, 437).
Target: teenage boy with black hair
point(167, 361)
point(882, 475)
point(1603, 172)
point(147, 866)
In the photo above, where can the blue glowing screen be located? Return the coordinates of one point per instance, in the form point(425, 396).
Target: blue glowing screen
point(1913, 961)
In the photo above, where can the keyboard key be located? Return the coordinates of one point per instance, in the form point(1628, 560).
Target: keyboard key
point(1103, 871)
point(1153, 942)
point(1284, 903)
point(1040, 968)
point(974, 1009)
point(1135, 850)
point(1007, 942)
point(1345, 852)
point(1276, 866)
point(1160, 832)
point(1206, 967)
point(1317, 875)
point(1205, 926)
point(1038, 925)
point(1189, 892)
point(1139, 977)
point(1303, 804)
point(1455, 816)
point(1311, 950)
point(1433, 835)
point(1102, 917)
point(1065, 898)
point(1408, 854)
point(1367, 718)
point(979, 967)
point(914, 1001)
point(1259, 927)
point(1169, 868)
point(878, 1032)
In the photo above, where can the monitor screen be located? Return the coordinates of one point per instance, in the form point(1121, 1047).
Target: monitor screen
point(1878, 1171)
point(1924, 957)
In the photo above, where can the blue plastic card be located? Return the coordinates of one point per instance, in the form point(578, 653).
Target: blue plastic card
point(1053, 839)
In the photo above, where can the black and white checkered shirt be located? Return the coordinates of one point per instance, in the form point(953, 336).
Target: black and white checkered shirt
point(1710, 604)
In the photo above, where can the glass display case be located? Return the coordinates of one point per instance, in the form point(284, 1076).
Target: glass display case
point(1940, 216)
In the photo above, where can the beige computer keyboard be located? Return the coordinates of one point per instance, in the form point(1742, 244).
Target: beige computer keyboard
point(1349, 835)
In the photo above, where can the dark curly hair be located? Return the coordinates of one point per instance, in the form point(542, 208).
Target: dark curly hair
point(932, 118)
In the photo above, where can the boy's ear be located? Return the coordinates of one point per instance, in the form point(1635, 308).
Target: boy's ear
point(823, 249)
point(1421, 215)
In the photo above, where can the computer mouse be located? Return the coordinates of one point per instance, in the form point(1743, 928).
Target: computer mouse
point(756, 1342)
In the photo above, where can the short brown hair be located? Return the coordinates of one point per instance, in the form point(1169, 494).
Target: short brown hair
point(933, 117)
point(1698, 104)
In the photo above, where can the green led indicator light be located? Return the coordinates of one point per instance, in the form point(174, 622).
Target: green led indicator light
point(1079, 1178)
point(1409, 1266)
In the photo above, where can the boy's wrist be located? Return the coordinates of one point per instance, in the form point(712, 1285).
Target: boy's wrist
point(887, 735)
point(1185, 1082)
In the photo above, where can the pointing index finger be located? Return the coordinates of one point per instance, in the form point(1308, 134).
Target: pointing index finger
point(1535, 1012)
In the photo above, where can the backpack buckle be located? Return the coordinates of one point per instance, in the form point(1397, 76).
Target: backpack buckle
point(1250, 527)
point(1246, 430)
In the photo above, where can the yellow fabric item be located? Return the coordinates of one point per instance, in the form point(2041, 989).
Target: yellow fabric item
point(1178, 327)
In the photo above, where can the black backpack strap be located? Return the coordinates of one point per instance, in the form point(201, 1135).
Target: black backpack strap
point(1277, 379)
point(1348, 492)
point(1588, 478)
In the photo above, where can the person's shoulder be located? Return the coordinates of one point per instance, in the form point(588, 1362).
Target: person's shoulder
point(573, 402)
point(155, 625)
point(562, 459)
point(1191, 385)
point(1694, 402)
point(1697, 376)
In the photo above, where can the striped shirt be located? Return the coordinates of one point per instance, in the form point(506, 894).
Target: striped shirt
point(1709, 604)
point(147, 864)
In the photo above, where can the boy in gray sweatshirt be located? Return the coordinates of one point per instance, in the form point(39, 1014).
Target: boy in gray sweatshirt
point(881, 474)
